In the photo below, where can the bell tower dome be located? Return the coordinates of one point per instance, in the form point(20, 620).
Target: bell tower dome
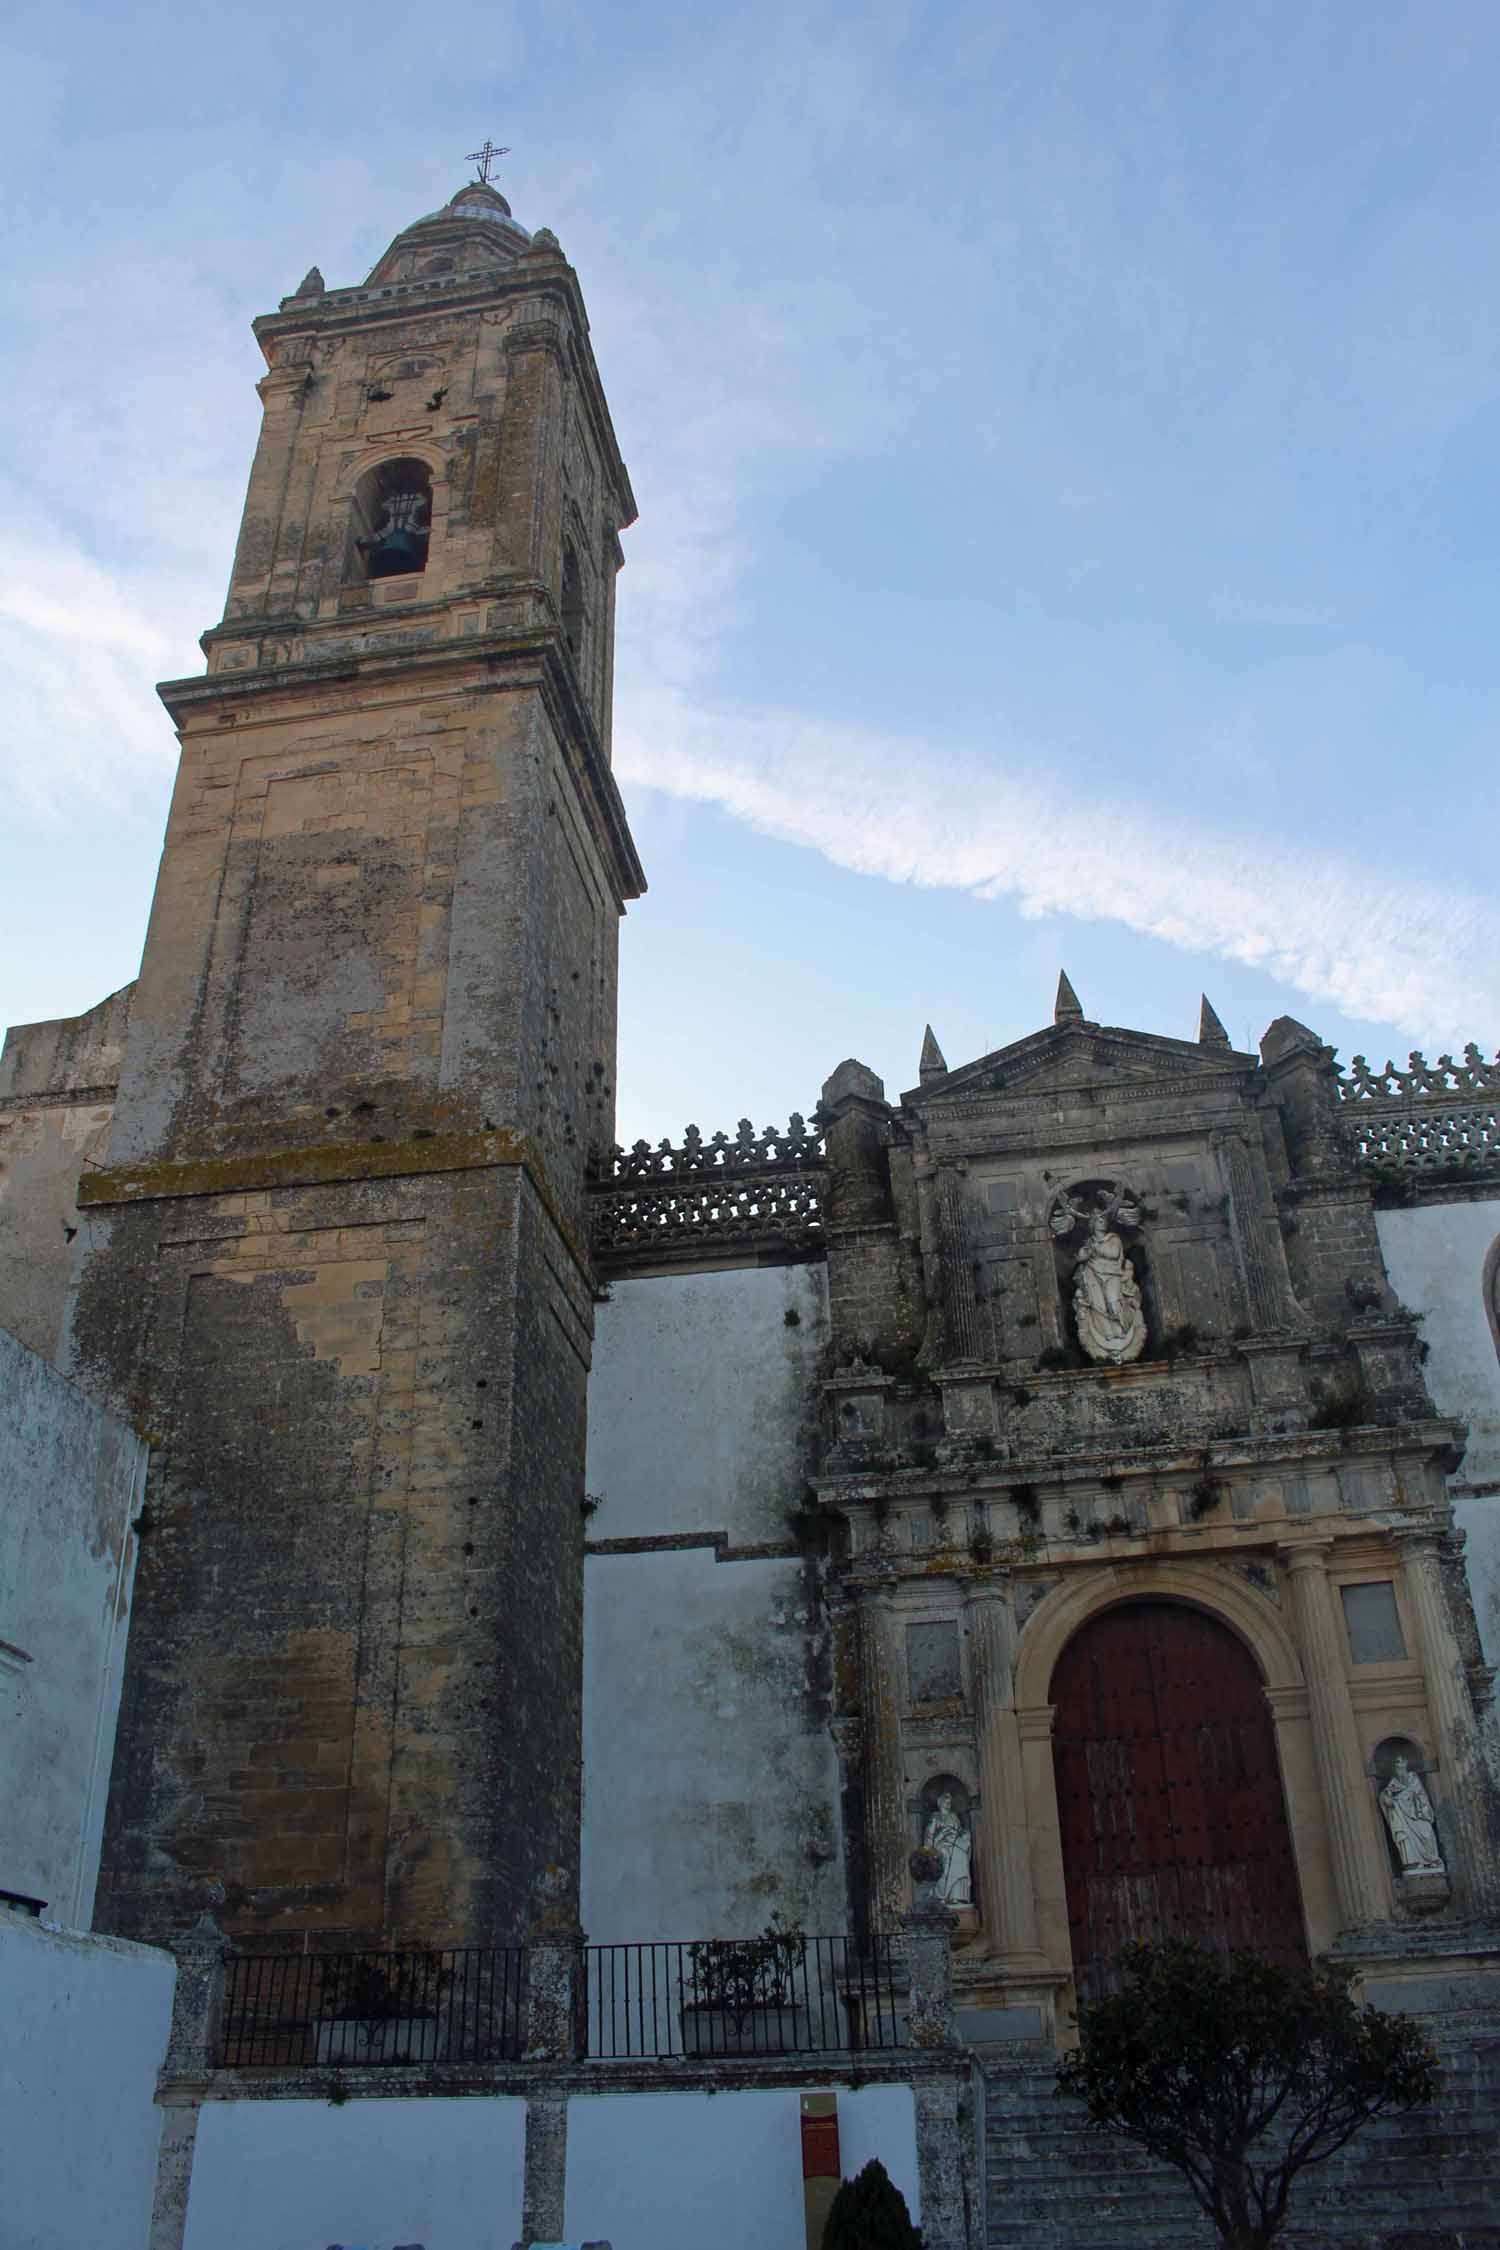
point(338, 1261)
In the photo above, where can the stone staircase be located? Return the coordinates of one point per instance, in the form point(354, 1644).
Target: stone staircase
point(1427, 2181)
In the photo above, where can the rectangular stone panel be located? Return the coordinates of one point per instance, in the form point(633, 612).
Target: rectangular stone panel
point(932, 1665)
point(1373, 1623)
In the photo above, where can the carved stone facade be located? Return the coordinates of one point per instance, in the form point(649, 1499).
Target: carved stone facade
point(1227, 1412)
point(1099, 1326)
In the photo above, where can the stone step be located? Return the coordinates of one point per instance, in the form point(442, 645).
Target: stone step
point(1424, 2179)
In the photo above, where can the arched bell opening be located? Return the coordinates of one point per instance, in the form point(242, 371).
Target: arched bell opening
point(391, 523)
point(1171, 1811)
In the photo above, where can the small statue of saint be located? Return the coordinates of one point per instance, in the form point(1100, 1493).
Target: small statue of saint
point(1410, 1818)
point(1107, 1308)
point(947, 1834)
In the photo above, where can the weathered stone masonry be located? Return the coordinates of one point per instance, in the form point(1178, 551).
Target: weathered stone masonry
point(336, 1256)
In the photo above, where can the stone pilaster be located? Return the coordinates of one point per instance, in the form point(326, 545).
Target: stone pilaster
point(1268, 1292)
point(555, 1997)
point(929, 1928)
point(544, 2180)
point(192, 2050)
point(943, 2164)
point(960, 1311)
point(197, 2000)
point(881, 1685)
point(1007, 1902)
point(1358, 1854)
point(1461, 1782)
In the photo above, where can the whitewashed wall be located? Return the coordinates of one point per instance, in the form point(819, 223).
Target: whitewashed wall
point(442, 2173)
point(85, 2029)
point(71, 1481)
point(685, 2171)
point(1436, 1256)
point(710, 1781)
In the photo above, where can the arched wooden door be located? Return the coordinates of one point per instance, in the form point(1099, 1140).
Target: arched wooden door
point(1168, 1792)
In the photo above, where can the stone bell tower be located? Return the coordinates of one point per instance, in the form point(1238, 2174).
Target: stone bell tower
point(335, 1263)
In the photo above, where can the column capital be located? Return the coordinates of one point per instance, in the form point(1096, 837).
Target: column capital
point(848, 1732)
point(1420, 1539)
point(875, 1593)
point(997, 1586)
point(1301, 1555)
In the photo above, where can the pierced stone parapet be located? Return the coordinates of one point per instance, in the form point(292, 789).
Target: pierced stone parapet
point(1472, 1076)
point(1424, 1119)
point(749, 1151)
point(760, 1194)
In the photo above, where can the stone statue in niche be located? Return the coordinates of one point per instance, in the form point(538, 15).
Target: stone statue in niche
point(1107, 1308)
point(1410, 1818)
point(947, 1834)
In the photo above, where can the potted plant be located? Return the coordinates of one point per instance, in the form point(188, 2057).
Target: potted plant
point(378, 2008)
point(740, 1995)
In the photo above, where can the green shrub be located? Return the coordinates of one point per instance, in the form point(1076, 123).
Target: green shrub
point(869, 2213)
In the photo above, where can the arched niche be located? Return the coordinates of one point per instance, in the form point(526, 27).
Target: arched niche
point(390, 521)
point(945, 1809)
point(572, 600)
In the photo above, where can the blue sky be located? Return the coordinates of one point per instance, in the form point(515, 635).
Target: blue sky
point(1067, 447)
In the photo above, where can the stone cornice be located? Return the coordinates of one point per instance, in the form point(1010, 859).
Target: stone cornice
point(497, 663)
point(868, 2066)
point(991, 1479)
point(104, 1188)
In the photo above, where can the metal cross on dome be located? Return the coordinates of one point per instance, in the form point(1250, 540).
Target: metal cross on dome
point(484, 158)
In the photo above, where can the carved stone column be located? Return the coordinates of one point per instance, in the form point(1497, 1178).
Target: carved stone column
point(1358, 1853)
point(1007, 1902)
point(881, 1694)
point(1461, 1777)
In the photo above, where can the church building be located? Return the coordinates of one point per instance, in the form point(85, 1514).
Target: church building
point(1082, 1466)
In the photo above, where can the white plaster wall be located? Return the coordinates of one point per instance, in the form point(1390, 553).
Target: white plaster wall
point(710, 1780)
point(684, 2171)
point(301, 2175)
point(699, 1401)
point(1435, 1256)
point(71, 1481)
point(85, 2029)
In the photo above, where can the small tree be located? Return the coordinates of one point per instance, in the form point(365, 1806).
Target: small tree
point(1239, 2073)
point(869, 2213)
point(740, 1975)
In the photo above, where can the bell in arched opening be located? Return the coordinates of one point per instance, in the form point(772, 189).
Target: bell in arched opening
point(393, 520)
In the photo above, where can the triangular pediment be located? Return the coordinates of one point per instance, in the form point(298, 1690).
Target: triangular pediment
point(1069, 1055)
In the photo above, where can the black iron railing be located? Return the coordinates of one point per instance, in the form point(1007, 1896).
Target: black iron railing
point(293, 2010)
point(787, 1996)
point(781, 1994)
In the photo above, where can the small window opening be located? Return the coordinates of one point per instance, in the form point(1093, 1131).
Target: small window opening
point(392, 520)
point(572, 601)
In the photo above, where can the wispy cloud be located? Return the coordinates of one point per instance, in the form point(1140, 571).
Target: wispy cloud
point(1374, 944)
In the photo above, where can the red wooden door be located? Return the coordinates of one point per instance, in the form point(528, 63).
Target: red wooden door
point(1168, 1792)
